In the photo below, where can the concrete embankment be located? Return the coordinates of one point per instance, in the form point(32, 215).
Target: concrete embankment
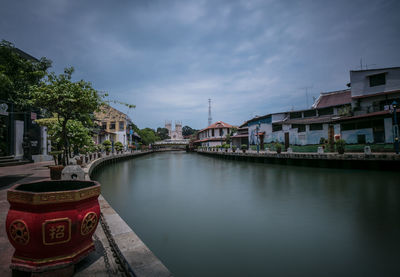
point(376, 161)
point(135, 253)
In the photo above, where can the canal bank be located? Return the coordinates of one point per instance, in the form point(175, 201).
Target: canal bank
point(112, 235)
point(217, 217)
point(376, 161)
point(134, 257)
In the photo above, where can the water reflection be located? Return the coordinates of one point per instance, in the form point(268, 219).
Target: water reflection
point(209, 217)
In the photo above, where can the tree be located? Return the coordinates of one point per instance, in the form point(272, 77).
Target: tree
point(18, 72)
point(68, 100)
point(187, 131)
point(78, 135)
point(162, 133)
point(148, 136)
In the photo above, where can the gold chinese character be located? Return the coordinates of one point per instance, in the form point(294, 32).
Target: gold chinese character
point(57, 232)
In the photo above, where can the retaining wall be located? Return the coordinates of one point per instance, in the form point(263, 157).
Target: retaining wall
point(139, 257)
point(381, 161)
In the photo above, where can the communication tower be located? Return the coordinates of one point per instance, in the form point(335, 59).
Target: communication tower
point(209, 112)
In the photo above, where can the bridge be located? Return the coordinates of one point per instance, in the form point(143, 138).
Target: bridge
point(171, 144)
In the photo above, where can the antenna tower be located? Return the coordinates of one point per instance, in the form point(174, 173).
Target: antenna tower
point(209, 112)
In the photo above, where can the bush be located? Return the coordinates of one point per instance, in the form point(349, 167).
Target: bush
point(218, 146)
point(234, 147)
point(323, 141)
point(340, 144)
point(107, 145)
point(278, 147)
point(118, 146)
point(243, 147)
point(226, 146)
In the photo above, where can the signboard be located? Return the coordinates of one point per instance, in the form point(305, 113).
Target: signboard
point(3, 109)
point(33, 116)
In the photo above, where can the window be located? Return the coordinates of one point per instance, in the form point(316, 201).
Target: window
point(221, 132)
point(276, 127)
point(377, 80)
point(212, 132)
point(361, 139)
point(347, 126)
point(103, 125)
point(112, 125)
point(300, 127)
point(121, 125)
point(310, 113)
point(316, 127)
point(295, 115)
point(325, 111)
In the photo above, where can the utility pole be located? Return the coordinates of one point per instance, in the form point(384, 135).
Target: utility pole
point(209, 112)
point(306, 89)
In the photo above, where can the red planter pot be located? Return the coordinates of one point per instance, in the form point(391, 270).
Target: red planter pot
point(51, 223)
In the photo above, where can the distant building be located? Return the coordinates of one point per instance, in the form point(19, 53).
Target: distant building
point(213, 135)
point(174, 134)
point(372, 94)
point(361, 114)
point(241, 136)
point(113, 125)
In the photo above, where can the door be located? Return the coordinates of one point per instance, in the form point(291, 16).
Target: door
point(286, 140)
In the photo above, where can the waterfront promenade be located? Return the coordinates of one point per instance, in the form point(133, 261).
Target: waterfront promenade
point(101, 262)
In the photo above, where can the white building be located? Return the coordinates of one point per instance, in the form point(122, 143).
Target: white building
point(213, 135)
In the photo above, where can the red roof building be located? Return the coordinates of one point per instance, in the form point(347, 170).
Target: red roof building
point(213, 135)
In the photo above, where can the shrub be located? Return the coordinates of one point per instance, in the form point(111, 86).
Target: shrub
point(340, 144)
point(107, 145)
point(323, 141)
point(243, 147)
point(226, 146)
point(218, 146)
point(118, 146)
point(234, 147)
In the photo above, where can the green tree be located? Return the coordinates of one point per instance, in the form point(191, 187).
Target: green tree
point(78, 135)
point(187, 131)
point(68, 100)
point(18, 72)
point(148, 136)
point(162, 133)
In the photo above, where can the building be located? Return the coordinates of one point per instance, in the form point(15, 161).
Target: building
point(372, 93)
point(361, 114)
point(113, 125)
point(174, 134)
point(213, 135)
point(18, 127)
point(241, 136)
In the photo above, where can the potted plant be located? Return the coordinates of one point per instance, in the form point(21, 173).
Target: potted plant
point(234, 148)
point(218, 147)
point(107, 146)
point(56, 169)
point(226, 147)
point(278, 147)
point(243, 147)
point(118, 147)
point(340, 145)
point(50, 223)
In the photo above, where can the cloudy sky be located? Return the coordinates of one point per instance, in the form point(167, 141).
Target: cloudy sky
point(168, 57)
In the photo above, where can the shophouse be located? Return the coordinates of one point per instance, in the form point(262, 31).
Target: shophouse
point(213, 135)
point(113, 125)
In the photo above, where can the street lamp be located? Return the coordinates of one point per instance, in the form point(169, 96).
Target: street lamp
point(258, 137)
point(395, 128)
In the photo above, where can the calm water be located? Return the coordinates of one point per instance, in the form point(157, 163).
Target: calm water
point(204, 216)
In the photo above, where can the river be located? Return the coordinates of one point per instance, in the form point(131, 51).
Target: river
point(203, 216)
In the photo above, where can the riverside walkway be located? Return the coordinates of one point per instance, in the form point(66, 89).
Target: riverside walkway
point(102, 261)
point(373, 161)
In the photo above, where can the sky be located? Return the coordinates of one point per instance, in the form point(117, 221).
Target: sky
point(169, 57)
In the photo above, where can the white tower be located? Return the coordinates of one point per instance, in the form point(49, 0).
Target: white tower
point(209, 112)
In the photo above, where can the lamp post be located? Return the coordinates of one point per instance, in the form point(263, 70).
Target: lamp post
point(258, 137)
point(395, 128)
